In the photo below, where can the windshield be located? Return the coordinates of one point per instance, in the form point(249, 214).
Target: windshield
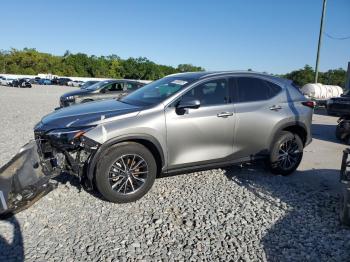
point(96, 86)
point(156, 91)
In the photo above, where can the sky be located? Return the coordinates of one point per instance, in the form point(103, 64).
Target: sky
point(274, 36)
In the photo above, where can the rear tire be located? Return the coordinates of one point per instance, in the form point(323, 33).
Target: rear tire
point(126, 172)
point(286, 154)
point(338, 131)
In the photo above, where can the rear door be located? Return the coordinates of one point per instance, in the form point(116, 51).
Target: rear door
point(202, 135)
point(258, 107)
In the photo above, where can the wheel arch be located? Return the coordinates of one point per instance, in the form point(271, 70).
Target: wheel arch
point(148, 141)
point(297, 128)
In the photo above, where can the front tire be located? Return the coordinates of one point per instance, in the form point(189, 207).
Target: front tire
point(126, 172)
point(286, 154)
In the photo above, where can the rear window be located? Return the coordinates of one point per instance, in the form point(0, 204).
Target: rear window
point(250, 89)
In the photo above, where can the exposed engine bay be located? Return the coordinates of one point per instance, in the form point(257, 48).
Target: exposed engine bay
point(27, 176)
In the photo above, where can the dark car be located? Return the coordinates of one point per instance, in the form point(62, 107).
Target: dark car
point(88, 83)
point(63, 81)
point(339, 106)
point(22, 82)
point(101, 90)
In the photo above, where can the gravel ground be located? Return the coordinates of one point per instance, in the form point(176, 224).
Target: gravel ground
point(240, 213)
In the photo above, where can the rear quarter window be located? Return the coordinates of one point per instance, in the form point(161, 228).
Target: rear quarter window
point(250, 89)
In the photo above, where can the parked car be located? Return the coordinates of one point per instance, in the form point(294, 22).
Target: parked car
point(88, 83)
point(22, 82)
point(179, 124)
point(77, 83)
point(34, 81)
point(6, 81)
point(339, 106)
point(44, 81)
point(63, 81)
point(101, 90)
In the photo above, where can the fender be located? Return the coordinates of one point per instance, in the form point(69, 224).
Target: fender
point(284, 126)
point(94, 159)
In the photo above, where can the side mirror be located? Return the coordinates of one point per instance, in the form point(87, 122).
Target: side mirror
point(186, 103)
point(103, 91)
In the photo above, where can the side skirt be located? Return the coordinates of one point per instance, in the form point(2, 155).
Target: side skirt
point(207, 165)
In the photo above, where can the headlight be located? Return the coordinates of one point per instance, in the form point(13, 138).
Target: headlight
point(330, 101)
point(68, 135)
point(69, 98)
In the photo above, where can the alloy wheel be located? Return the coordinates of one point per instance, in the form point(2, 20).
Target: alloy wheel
point(128, 174)
point(288, 154)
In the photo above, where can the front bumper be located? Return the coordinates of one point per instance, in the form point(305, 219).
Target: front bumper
point(25, 179)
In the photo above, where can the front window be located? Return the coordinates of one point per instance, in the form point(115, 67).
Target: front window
point(214, 92)
point(97, 86)
point(156, 91)
point(113, 87)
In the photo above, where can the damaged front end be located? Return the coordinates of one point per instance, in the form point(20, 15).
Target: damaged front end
point(27, 176)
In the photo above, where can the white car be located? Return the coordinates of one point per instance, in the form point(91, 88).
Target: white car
point(77, 83)
point(6, 81)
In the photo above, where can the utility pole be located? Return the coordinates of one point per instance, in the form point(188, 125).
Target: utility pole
point(347, 83)
point(320, 39)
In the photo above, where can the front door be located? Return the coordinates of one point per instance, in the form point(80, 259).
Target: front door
point(201, 135)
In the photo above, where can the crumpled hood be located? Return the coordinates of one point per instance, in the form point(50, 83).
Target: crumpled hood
point(92, 113)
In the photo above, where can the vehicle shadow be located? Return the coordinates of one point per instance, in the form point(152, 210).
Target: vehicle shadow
point(13, 251)
point(74, 181)
point(324, 132)
point(321, 111)
point(310, 227)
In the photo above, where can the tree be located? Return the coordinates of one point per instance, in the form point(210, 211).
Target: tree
point(307, 75)
point(302, 76)
point(188, 68)
point(29, 61)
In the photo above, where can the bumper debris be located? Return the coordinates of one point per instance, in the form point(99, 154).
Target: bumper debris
point(24, 180)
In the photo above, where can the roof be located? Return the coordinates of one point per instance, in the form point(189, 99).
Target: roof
point(205, 74)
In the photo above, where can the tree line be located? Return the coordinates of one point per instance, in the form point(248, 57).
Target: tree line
point(29, 61)
point(32, 62)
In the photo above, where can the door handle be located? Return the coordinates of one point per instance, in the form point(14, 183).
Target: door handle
point(225, 114)
point(275, 107)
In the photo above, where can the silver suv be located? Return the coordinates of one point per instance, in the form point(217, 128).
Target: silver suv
point(178, 124)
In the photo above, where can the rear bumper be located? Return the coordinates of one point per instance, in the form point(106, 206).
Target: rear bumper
point(25, 179)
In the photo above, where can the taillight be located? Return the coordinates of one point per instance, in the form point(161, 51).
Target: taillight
point(310, 104)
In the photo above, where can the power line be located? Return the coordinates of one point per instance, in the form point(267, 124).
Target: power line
point(336, 38)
